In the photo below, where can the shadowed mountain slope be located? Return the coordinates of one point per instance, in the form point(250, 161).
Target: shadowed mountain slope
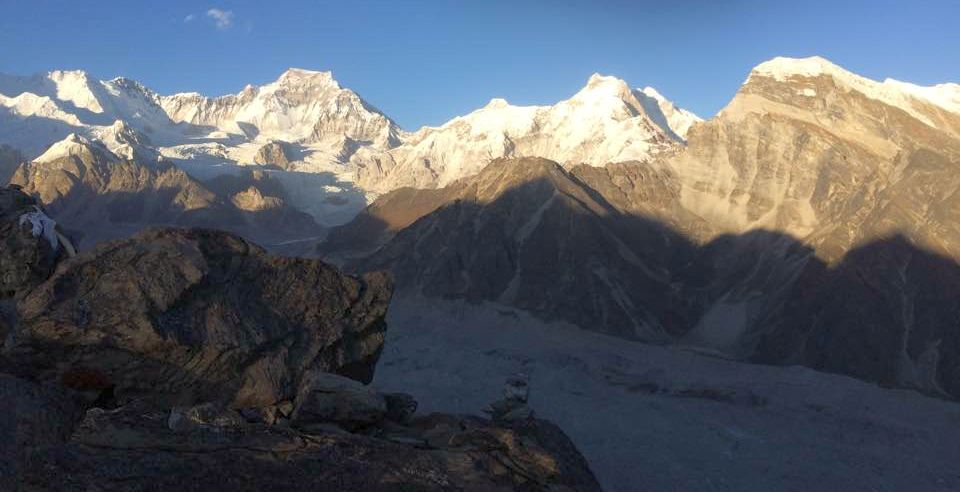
point(529, 234)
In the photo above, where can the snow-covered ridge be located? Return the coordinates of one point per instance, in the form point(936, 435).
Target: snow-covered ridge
point(893, 92)
point(74, 146)
point(300, 105)
point(782, 68)
point(333, 132)
point(605, 121)
point(677, 120)
point(947, 96)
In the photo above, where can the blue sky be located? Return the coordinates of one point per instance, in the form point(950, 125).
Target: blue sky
point(424, 62)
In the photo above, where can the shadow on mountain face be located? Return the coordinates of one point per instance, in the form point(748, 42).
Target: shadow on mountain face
point(888, 312)
point(383, 218)
point(652, 108)
point(324, 195)
point(10, 159)
point(116, 214)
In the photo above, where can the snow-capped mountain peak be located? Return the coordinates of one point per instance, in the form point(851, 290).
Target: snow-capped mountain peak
point(946, 96)
point(601, 87)
point(300, 76)
point(301, 105)
point(603, 122)
point(497, 103)
point(910, 98)
point(77, 87)
point(782, 68)
point(328, 128)
point(665, 113)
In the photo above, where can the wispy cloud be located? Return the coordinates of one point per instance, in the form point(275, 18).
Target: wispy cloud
point(223, 19)
point(189, 18)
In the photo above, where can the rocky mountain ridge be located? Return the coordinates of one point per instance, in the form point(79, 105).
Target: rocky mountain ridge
point(107, 196)
point(353, 152)
point(811, 222)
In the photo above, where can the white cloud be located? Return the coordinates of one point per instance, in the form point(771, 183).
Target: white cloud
point(223, 19)
point(189, 18)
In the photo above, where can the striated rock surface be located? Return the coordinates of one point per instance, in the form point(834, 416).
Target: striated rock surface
point(198, 315)
point(529, 234)
point(858, 179)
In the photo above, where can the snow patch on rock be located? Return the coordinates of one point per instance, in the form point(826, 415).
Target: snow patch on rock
point(41, 225)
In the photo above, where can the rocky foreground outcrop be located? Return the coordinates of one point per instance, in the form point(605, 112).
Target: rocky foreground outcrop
point(134, 449)
point(30, 247)
point(198, 315)
point(25, 259)
point(190, 358)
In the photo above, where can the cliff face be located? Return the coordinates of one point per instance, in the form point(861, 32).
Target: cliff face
point(209, 310)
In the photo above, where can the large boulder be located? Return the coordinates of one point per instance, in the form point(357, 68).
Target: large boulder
point(191, 316)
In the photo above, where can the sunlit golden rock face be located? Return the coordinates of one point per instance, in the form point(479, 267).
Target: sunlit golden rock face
point(824, 159)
